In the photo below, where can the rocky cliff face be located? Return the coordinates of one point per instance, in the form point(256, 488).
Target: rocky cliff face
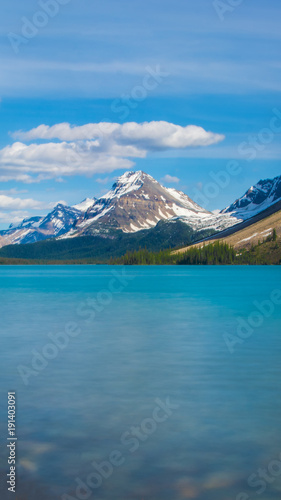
point(256, 199)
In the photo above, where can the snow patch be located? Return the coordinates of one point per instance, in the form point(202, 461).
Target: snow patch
point(84, 205)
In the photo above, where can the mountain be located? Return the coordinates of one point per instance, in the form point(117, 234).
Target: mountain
point(85, 204)
point(257, 199)
point(259, 211)
point(136, 202)
point(260, 237)
point(137, 212)
point(58, 221)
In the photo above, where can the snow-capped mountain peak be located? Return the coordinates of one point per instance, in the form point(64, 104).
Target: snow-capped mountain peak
point(126, 183)
point(259, 197)
point(26, 223)
point(85, 204)
point(137, 201)
point(60, 220)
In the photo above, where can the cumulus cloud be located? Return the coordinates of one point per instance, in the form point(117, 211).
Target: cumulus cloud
point(7, 202)
point(148, 135)
point(54, 160)
point(171, 179)
point(93, 148)
point(18, 204)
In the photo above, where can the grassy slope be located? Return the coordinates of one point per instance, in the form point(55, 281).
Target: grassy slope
point(251, 235)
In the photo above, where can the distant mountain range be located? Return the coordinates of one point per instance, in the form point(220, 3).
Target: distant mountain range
point(137, 211)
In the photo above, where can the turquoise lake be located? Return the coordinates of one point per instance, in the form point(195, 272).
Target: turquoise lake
point(142, 383)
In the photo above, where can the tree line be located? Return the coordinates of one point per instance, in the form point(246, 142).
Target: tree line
point(218, 253)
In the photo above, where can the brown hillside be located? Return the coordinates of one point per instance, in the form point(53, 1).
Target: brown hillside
point(248, 236)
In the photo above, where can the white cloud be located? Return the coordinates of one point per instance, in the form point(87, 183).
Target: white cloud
point(136, 136)
point(103, 181)
point(54, 160)
point(93, 148)
point(7, 202)
point(13, 217)
point(12, 191)
point(171, 179)
point(10, 203)
point(14, 176)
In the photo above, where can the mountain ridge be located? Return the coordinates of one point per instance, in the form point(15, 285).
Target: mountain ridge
point(256, 199)
point(137, 202)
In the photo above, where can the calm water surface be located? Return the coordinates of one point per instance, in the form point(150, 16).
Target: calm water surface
point(158, 334)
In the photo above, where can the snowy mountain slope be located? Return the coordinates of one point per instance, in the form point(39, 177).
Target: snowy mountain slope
point(27, 223)
point(60, 220)
point(217, 222)
point(256, 199)
point(85, 204)
point(249, 232)
point(136, 202)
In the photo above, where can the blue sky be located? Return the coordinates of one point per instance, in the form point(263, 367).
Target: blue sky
point(163, 65)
